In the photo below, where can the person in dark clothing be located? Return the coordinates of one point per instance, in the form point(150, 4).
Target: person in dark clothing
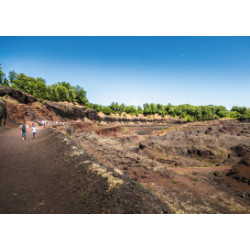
point(23, 131)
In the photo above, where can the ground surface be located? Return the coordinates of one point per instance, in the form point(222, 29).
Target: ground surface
point(50, 175)
point(31, 179)
point(79, 167)
point(112, 164)
point(188, 166)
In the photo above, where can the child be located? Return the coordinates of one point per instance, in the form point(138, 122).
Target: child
point(34, 130)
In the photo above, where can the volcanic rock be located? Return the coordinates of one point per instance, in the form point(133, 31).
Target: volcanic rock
point(2, 112)
point(16, 94)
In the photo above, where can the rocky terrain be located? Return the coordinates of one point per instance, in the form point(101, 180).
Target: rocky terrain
point(93, 163)
point(17, 106)
point(192, 168)
point(2, 112)
point(60, 177)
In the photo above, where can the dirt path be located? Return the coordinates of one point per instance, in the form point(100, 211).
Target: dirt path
point(41, 176)
point(31, 177)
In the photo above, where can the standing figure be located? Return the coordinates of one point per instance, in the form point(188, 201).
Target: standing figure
point(23, 131)
point(27, 127)
point(34, 130)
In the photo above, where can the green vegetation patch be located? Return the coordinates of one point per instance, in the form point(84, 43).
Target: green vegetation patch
point(63, 91)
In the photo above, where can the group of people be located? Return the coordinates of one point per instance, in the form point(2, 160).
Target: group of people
point(24, 128)
point(42, 123)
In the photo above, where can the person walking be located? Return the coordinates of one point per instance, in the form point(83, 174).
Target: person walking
point(23, 131)
point(34, 130)
point(27, 127)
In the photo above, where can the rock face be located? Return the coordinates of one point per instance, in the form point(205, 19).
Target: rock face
point(66, 110)
point(70, 111)
point(92, 115)
point(18, 112)
point(2, 112)
point(16, 94)
point(140, 120)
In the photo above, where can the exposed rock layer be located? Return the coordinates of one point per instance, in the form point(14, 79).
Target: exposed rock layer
point(2, 112)
point(16, 94)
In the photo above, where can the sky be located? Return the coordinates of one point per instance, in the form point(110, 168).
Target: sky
point(138, 70)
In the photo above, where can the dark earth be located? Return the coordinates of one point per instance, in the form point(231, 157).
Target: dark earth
point(85, 162)
point(39, 176)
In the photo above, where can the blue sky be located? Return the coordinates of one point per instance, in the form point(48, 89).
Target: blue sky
point(136, 70)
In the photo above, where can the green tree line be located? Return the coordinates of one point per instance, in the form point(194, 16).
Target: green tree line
point(63, 91)
point(185, 111)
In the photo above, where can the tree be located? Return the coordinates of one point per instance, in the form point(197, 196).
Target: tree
point(6, 82)
point(114, 107)
point(12, 76)
point(71, 95)
point(131, 110)
point(62, 93)
point(49, 93)
point(40, 88)
point(55, 96)
point(106, 110)
point(2, 75)
point(20, 83)
point(139, 110)
point(81, 96)
point(146, 109)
